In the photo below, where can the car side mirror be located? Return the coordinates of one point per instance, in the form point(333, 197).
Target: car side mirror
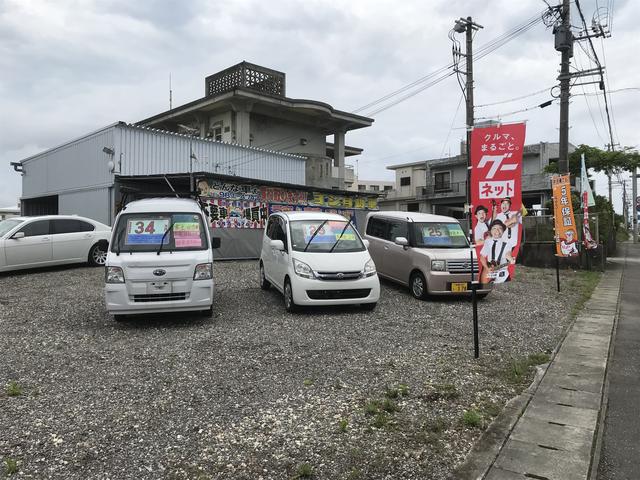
point(366, 243)
point(17, 235)
point(401, 241)
point(277, 244)
point(215, 242)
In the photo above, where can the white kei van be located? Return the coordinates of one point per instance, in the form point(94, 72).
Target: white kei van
point(160, 259)
point(317, 258)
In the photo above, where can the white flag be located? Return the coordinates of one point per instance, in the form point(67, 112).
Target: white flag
point(585, 187)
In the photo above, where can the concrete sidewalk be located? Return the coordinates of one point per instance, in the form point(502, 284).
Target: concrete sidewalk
point(551, 428)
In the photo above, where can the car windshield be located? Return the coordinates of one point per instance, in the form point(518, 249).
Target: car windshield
point(325, 236)
point(143, 232)
point(439, 235)
point(6, 225)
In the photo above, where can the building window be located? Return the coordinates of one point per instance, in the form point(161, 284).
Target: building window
point(388, 187)
point(405, 181)
point(375, 188)
point(413, 207)
point(217, 134)
point(362, 188)
point(442, 181)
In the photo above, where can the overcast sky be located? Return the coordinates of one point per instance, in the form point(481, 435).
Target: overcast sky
point(70, 67)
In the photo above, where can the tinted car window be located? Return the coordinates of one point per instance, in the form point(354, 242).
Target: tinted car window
point(33, 229)
point(71, 226)
point(279, 232)
point(377, 227)
point(396, 229)
point(272, 222)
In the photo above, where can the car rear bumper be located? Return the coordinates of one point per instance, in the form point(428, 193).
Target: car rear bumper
point(119, 302)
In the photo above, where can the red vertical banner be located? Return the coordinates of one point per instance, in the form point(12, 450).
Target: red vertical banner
point(496, 198)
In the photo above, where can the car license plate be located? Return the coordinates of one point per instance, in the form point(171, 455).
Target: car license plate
point(459, 287)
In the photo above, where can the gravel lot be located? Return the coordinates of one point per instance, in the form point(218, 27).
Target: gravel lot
point(254, 392)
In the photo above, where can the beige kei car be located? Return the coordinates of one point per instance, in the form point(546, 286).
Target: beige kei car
point(428, 253)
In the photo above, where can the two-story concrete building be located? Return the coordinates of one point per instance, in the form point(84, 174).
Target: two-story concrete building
point(440, 185)
point(246, 104)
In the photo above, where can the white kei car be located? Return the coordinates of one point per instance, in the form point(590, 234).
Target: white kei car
point(317, 258)
point(33, 242)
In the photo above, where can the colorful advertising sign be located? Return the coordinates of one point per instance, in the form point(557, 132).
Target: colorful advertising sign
point(236, 213)
point(565, 224)
point(587, 201)
point(146, 231)
point(496, 198)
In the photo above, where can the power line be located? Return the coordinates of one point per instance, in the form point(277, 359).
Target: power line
point(515, 98)
point(443, 72)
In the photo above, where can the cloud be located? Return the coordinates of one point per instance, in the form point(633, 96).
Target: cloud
point(71, 67)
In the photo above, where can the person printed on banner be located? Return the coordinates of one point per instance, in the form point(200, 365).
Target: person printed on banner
point(481, 230)
point(495, 256)
point(569, 245)
point(511, 220)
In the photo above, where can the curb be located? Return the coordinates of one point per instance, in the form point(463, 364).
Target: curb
point(604, 402)
point(487, 448)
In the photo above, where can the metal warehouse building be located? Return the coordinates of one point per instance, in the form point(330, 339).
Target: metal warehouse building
point(97, 174)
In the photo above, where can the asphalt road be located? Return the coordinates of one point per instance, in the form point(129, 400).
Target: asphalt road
point(620, 455)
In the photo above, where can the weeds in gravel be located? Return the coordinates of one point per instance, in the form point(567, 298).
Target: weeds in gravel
point(355, 474)
point(402, 390)
point(471, 418)
point(437, 425)
point(372, 407)
point(445, 391)
point(491, 409)
point(538, 358)
point(380, 420)
point(307, 382)
point(518, 368)
point(13, 389)
point(10, 466)
point(390, 406)
point(342, 426)
point(304, 470)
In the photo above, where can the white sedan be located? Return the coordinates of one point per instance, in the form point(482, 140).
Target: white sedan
point(32, 242)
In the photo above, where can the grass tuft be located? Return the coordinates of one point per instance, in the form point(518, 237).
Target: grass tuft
point(13, 389)
point(342, 426)
point(10, 466)
point(471, 418)
point(304, 470)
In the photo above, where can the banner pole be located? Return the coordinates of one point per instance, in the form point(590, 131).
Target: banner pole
point(558, 272)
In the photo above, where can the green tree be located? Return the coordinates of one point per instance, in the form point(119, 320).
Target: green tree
point(600, 160)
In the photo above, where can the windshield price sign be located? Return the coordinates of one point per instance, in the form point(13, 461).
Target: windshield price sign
point(146, 231)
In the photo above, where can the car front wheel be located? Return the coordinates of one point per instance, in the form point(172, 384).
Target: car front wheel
point(264, 283)
point(289, 304)
point(418, 285)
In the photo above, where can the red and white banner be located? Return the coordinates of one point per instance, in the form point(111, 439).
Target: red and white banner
point(496, 198)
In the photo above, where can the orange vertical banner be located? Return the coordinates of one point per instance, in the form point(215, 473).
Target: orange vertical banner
point(565, 224)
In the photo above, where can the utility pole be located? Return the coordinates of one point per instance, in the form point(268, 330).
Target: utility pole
point(564, 44)
point(469, 27)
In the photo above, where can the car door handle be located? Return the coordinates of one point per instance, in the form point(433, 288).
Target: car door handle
point(88, 235)
point(386, 248)
point(46, 239)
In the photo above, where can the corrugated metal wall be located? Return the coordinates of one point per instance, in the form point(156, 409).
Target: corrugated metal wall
point(94, 203)
point(148, 151)
point(75, 165)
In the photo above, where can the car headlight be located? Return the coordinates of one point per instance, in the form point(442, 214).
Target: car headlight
point(113, 275)
point(369, 269)
point(438, 265)
point(302, 269)
point(203, 271)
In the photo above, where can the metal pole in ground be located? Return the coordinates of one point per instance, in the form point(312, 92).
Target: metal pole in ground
point(634, 204)
point(558, 271)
